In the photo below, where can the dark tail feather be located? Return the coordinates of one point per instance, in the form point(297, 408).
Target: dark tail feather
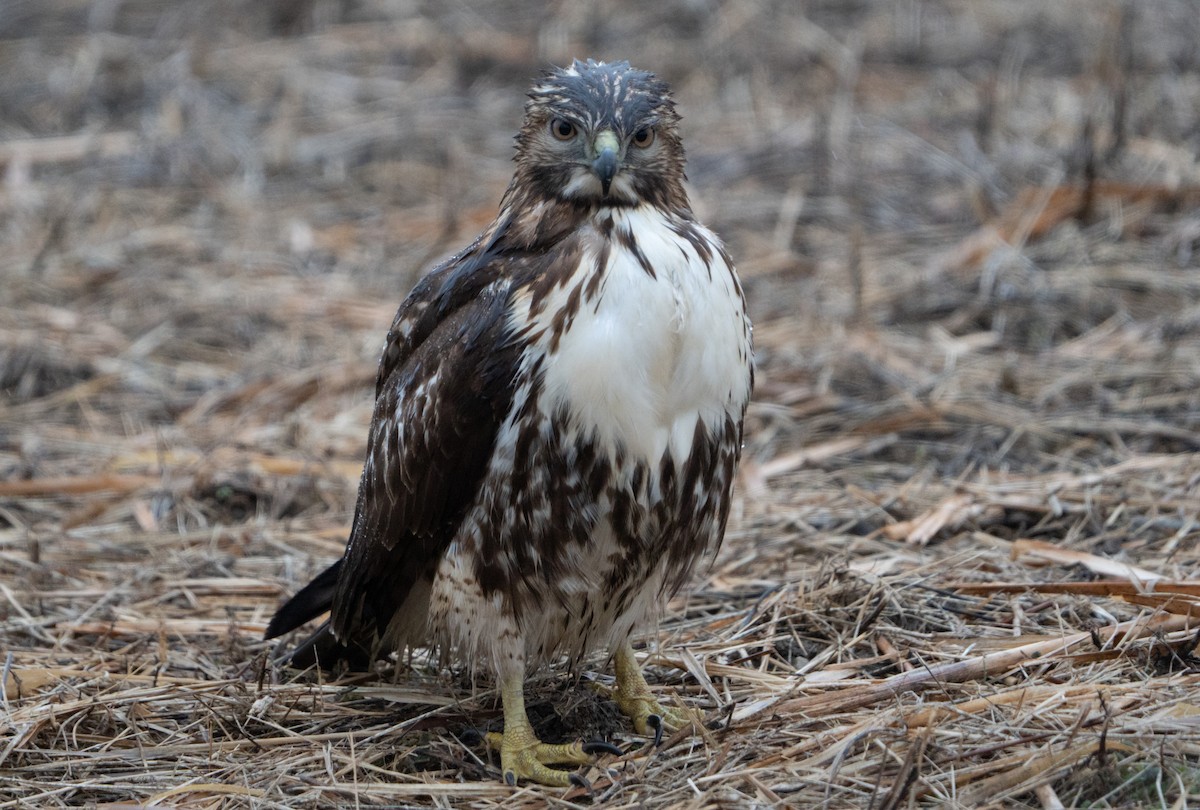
point(313, 599)
point(322, 650)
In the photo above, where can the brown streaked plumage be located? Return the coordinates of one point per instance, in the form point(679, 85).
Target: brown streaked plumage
point(557, 423)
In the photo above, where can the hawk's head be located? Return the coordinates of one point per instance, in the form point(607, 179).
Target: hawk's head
point(599, 133)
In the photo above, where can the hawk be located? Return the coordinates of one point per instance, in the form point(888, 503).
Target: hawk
point(558, 419)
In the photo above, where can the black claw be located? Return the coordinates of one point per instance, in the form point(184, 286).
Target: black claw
point(579, 782)
point(597, 747)
point(657, 724)
point(472, 737)
point(510, 779)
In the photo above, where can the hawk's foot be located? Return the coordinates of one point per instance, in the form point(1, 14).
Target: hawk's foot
point(636, 702)
point(652, 718)
point(524, 757)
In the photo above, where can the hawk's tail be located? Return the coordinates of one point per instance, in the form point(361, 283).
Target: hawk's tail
point(313, 599)
point(321, 648)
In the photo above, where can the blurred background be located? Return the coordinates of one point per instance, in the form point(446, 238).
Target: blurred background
point(197, 196)
point(969, 233)
point(201, 196)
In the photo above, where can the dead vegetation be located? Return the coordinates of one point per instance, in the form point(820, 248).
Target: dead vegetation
point(963, 568)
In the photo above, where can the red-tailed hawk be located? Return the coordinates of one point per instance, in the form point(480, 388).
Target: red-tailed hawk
point(557, 423)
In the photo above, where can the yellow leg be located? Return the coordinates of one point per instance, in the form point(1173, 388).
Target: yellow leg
point(524, 756)
point(635, 701)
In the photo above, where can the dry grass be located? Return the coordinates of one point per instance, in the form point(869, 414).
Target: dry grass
point(963, 568)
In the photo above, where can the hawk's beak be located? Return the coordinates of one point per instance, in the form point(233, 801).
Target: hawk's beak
point(606, 148)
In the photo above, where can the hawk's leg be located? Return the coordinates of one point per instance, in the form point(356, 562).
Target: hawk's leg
point(635, 701)
point(522, 754)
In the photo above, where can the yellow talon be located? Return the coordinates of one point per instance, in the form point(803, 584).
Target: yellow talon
point(635, 701)
point(524, 757)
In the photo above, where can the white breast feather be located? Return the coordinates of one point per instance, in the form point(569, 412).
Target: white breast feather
point(638, 366)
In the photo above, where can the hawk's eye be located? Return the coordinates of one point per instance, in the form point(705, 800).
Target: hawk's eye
point(562, 129)
point(643, 137)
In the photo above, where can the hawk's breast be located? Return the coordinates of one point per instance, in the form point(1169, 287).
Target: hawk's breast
point(660, 342)
point(611, 474)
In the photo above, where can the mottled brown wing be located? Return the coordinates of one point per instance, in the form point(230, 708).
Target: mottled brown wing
point(432, 435)
point(444, 386)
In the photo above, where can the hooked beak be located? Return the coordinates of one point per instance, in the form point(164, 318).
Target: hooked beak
point(606, 148)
